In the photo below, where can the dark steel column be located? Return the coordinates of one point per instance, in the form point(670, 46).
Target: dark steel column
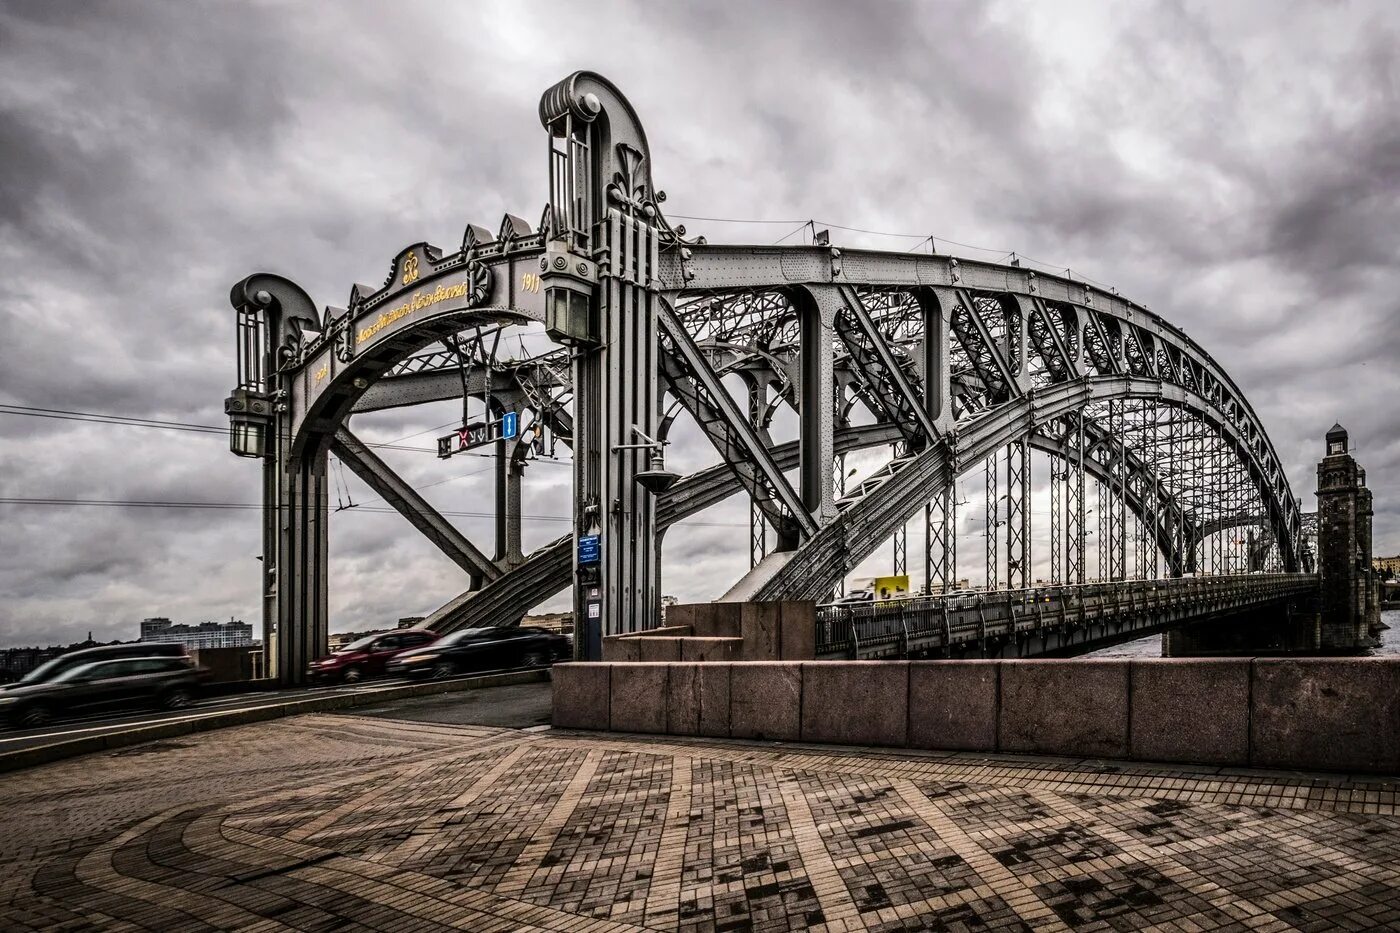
point(817, 403)
point(297, 576)
point(1018, 514)
point(992, 509)
point(1074, 502)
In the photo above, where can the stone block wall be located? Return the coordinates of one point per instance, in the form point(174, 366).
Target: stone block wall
point(774, 631)
point(1325, 714)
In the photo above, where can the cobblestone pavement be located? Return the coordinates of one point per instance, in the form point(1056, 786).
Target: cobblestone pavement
point(334, 822)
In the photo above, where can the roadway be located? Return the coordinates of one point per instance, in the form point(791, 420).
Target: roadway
point(441, 706)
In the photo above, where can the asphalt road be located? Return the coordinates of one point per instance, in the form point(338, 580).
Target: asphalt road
point(517, 706)
point(14, 739)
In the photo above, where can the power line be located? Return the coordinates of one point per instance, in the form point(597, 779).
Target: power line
point(62, 414)
point(160, 504)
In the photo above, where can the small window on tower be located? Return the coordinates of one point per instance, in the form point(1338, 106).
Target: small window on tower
point(1335, 447)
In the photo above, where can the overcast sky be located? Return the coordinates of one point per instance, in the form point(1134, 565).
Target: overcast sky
point(1235, 167)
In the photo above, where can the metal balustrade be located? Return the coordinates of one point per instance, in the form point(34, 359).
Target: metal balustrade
point(989, 622)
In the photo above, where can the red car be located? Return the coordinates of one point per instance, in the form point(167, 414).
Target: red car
point(366, 657)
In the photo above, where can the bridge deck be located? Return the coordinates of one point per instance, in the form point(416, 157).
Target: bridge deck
point(1021, 623)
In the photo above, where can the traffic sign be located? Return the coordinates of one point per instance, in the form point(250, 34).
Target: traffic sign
point(479, 434)
point(590, 549)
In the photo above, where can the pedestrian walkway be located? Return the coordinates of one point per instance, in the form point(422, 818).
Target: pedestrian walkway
point(356, 823)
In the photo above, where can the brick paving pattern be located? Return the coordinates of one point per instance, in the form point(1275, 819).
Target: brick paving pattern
point(348, 823)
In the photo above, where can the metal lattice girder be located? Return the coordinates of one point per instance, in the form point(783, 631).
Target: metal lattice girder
point(1074, 504)
point(988, 354)
point(1018, 514)
point(992, 511)
point(412, 506)
point(1116, 506)
point(941, 541)
point(890, 385)
point(692, 381)
point(1047, 330)
point(758, 526)
point(1057, 520)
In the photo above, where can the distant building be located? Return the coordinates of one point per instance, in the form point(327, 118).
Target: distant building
point(561, 622)
point(230, 634)
point(16, 662)
point(1386, 565)
point(339, 640)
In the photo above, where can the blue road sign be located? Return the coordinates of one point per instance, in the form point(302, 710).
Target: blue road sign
point(510, 424)
point(590, 549)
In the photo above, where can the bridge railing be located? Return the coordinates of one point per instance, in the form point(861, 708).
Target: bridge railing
point(924, 622)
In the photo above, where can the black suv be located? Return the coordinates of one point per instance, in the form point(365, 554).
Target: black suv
point(53, 667)
point(482, 649)
point(100, 686)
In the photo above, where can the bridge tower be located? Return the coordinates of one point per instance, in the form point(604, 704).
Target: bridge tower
point(603, 214)
point(1348, 590)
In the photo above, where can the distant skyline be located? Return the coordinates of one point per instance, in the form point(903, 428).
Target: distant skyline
point(1235, 167)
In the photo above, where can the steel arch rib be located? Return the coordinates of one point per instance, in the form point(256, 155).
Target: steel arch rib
point(812, 571)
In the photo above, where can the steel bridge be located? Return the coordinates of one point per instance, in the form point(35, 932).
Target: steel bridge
point(957, 367)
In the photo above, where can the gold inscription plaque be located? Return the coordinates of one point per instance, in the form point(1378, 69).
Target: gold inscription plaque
point(416, 303)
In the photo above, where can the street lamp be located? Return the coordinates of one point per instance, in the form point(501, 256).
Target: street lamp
point(657, 479)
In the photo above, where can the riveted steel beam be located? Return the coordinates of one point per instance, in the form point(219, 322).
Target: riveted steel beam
point(412, 506)
point(694, 383)
point(872, 354)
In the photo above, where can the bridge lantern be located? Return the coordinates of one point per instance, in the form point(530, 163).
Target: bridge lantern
point(570, 313)
point(249, 416)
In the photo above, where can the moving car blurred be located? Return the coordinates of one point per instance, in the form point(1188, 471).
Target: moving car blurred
point(53, 667)
point(98, 686)
point(367, 657)
point(483, 649)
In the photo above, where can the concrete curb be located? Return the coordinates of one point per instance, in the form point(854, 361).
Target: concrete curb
point(136, 734)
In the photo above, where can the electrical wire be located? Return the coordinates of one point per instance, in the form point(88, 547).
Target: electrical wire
point(62, 414)
point(246, 506)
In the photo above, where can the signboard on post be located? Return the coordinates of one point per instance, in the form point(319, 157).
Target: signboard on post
point(893, 587)
point(479, 434)
point(590, 550)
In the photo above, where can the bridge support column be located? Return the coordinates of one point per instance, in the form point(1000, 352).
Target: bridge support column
point(295, 549)
point(817, 402)
point(941, 541)
point(615, 386)
point(1074, 503)
point(1018, 515)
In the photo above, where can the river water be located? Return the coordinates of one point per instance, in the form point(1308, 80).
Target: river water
point(1151, 646)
